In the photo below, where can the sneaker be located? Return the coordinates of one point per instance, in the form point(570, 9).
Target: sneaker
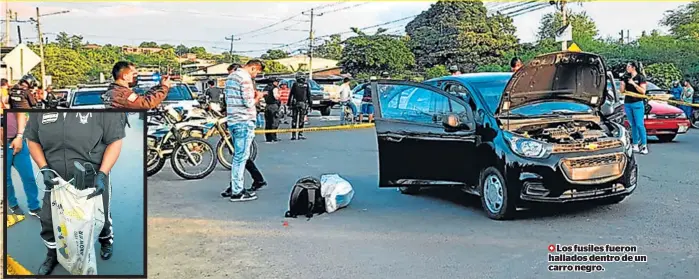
point(35, 212)
point(644, 150)
point(302, 137)
point(226, 193)
point(16, 210)
point(293, 138)
point(257, 185)
point(635, 148)
point(244, 196)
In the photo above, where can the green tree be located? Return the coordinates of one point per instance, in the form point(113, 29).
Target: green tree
point(148, 44)
point(436, 71)
point(274, 54)
point(330, 49)
point(584, 28)
point(683, 21)
point(460, 32)
point(167, 46)
point(181, 49)
point(663, 74)
point(274, 67)
point(373, 54)
point(65, 66)
point(63, 40)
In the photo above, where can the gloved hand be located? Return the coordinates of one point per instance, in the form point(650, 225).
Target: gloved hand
point(49, 177)
point(100, 183)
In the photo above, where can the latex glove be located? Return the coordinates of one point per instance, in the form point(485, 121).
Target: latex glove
point(49, 177)
point(100, 183)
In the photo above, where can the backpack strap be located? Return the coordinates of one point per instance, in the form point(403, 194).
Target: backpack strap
point(292, 201)
point(311, 202)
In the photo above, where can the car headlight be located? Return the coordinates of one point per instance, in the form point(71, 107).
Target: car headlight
point(625, 138)
point(682, 116)
point(651, 116)
point(527, 147)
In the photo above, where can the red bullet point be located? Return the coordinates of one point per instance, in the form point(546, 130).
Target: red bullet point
point(552, 248)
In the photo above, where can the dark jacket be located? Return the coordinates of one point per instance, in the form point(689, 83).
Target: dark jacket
point(21, 98)
point(300, 93)
point(123, 97)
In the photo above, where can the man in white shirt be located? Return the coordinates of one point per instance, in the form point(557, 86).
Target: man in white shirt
point(346, 100)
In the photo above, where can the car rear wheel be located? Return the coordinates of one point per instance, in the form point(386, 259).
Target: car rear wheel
point(695, 118)
point(497, 202)
point(666, 138)
point(325, 111)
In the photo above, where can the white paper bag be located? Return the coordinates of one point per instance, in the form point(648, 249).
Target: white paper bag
point(336, 190)
point(77, 223)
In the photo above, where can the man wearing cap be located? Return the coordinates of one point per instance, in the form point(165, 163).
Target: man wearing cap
point(454, 70)
point(272, 109)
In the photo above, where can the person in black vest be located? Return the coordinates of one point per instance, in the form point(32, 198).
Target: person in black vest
point(272, 110)
point(299, 102)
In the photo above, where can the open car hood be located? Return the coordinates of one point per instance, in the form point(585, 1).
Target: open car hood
point(561, 76)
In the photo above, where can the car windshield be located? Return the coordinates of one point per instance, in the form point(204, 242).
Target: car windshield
point(193, 88)
point(315, 85)
point(491, 92)
point(552, 108)
point(178, 92)
point(88, 98)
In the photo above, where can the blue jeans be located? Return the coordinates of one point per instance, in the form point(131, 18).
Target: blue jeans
point(242, 135)
point(687, 111)
point(23, 164)
point(351, 106)
point(635, 112)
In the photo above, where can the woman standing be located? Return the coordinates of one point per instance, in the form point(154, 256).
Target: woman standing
point(634, 82)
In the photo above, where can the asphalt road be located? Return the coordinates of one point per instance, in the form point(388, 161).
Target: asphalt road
point(24, 242)
point(441, 233)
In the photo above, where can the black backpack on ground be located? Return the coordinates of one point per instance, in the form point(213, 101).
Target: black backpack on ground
point(305, 198)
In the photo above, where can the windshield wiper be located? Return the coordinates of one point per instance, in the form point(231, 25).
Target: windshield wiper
point(564, 112)
point(514, 115)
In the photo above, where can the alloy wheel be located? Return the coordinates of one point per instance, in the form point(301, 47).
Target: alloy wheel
point(494, 197)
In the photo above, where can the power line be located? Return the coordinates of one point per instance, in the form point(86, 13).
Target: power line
point(346, 8)
point(285, 20)
point(529, 10)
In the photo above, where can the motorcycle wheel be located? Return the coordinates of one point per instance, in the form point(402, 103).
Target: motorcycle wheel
point(155, 162)
point(179, 158)
point(225, 154)
point(695, 119)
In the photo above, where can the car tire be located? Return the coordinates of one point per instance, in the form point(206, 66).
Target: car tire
point(492, 185)
point(325, 111)
point(612, 200)
point(666, 138)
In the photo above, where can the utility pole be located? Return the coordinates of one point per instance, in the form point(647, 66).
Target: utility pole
point(564, 17)
point(41, 50)
point(232, 38)
point(621, 39)
point(628, 37)
point(310, 44)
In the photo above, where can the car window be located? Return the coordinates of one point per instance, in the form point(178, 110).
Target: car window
point(314, 85)
point(178, 92)
point(491, 91)
point(414, 104)
point(88, 98)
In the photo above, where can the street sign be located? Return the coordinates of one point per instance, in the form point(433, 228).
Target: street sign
point(564, 34)
point(21, 60)
point(574, 48)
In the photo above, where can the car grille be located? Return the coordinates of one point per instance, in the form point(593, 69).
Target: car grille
point(668, 116)
point(581, 147)
point(594, 169)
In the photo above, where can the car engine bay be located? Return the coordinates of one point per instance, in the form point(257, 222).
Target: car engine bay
point(568, 132)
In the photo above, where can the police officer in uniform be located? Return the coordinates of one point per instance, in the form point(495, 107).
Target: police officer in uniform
point(299, 102)
point(58, 141)
point(22, 95)
point(120, 95)
point(272, 111)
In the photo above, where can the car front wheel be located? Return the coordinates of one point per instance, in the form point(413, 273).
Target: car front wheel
point(666, 138)
point(496, 200)
point(325, 111)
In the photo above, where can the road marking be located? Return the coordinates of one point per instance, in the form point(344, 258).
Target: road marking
point(14, 268)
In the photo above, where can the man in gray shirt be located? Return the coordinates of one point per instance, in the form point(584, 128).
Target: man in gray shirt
point(57, 141)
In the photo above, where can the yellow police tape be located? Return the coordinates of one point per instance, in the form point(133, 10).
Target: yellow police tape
point(641, 96)
point(14, 268)
point(13, 219)
point(315, 129)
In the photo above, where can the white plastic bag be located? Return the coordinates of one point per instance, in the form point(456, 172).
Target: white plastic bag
point(336, 190)
point(77, 223)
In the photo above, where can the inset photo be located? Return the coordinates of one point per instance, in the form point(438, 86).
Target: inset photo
point(74, 199)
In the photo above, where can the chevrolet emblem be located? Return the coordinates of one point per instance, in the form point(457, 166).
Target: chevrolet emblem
point(592, 146)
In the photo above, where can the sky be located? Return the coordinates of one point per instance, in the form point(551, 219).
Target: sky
point(208, 24)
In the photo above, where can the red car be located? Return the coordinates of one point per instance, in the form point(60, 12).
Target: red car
point(664, 121)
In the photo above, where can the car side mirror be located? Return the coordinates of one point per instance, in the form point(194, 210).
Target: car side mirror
point(453, 123)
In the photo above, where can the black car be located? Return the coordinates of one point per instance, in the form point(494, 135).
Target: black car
point(542, 135)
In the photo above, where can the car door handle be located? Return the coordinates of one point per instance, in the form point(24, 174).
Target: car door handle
point(395, 138)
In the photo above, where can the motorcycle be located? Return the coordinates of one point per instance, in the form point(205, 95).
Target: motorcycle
point(167, 139)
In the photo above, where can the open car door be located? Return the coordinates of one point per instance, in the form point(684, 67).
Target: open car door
point(413, 141)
